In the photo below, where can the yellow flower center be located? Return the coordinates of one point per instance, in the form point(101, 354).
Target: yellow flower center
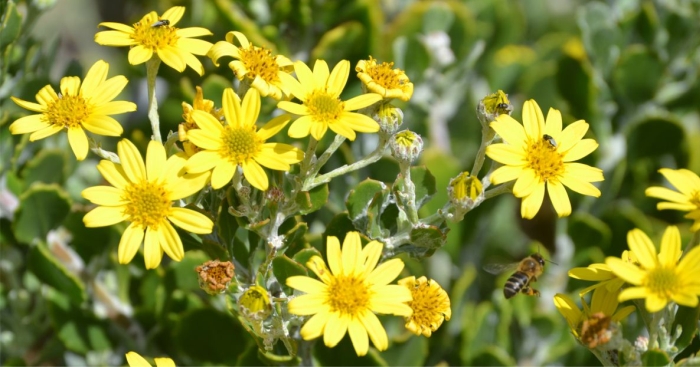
point(385, 75)
point(154, 34)
point(428, 305)
point(68, 111)
point(260, 62)
point(323, 107)
point(348, 295)
point(662, 281)
point(543, 158)
point(148, 203)
point(239, 144)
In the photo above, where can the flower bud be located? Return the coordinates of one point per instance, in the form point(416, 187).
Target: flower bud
point(464, 191)
point(215, 276)
point(388, 117)
point(199, 103)
point(406, 146)
point(254, 304)
point(493, 105)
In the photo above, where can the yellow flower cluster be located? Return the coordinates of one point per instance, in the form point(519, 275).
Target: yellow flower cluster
point(148, 193)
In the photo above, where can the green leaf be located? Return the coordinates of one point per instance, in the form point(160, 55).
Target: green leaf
point(424, 241)
point(41, 209)
point(294, 238)
point(687, 318)
point(655, 137)
point(638, 73)
point(284, 267)
point(312, 200)
point(78, 330)
point(183, 274)
point(412, 352)
point(361, 196)
point(11, 25)
point(226, 226)
point(655, 357)
point(48, 166)
point(303, 256)
point(44, 265)
point(90, 242)
point(575, 84)
point(334, 44)
point(191, 336)
point(338, 227)
point(373, 224)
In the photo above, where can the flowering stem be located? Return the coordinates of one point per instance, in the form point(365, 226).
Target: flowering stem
point(308, 157)
point(151, 74)
point(371, 158)
point(487, 135)
point(104, 154)
point(501, 189)
point(337, 142)
point(409, 193)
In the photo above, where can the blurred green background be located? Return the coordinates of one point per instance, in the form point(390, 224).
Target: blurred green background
point(628, 67)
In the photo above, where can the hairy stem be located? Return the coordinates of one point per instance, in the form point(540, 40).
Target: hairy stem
point(151, 74)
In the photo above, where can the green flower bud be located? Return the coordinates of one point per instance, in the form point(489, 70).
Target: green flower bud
point(406, 146)
point(464, 191)
point(493, 105)
point(255, 304)
point(388, 117)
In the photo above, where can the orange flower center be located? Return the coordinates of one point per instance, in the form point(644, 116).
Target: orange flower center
point(240, 144)
point(67, 111)
point(155, 34)
point(348, 295)
point(148, 203)
point(542, 156)
point(260, 62)
point(323, 107)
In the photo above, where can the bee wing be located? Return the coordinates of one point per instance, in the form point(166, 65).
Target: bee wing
point(500, 268)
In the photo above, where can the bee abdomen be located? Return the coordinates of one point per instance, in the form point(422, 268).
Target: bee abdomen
point(515, 283)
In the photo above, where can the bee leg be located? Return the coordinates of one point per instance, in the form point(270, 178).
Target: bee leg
point(530, 291)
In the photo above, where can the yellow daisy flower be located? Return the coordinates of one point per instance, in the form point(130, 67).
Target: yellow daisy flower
point(659, 279)
point(347, 296)
point(430, 305)
point(143, 195)
point(384, 80)
point(687, 198)
point(257, 65)
point(200, 104)
point(135, 360)
point(239, 143)
point(603, 301)
point(76, 107)
point(322, 108)
point(154, 34)
point(541, 154)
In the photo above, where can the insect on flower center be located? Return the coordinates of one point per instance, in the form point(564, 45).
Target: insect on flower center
point(544, 159)
point(68, 111)
point(148, 203)
point(385, 75)
point(239, 144)
point(260, 62)
point(154, 33)
point(662, 281)
point(348, 295)
point(323, 107)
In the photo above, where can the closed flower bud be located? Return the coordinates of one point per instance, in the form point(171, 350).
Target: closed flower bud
point(464, 190)
point(255, 304)
point(492, 106)
point(406, 146)
point(388, 117)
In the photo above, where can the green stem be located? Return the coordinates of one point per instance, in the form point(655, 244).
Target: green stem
point(305, 165)
point(487, 135)
point(171, 140)
point(694, 241)
point(409, 191)
point(337, 142)
point(371, 158)
point(151, 74)
point(501, 189)
point(104, 154)
point(243, 87)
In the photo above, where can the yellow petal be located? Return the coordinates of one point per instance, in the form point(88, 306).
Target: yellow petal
point(359, 122)
point(358, 336)
point(114, 108)
point(250, 108)
point(104, 195)
point(309, 304)
point(191, 220)
point(205, 139)
point(510, 130)
point(131, 161)
point(139, 54)
point(552, 125)
point(337, 79)
point(203, 161)
point(334, 255)
point(670, 247)
point(152, 248)
point(361, 101)
point(560, 200)
point(680, 181)
point(526, 184)
point(172, 57)
point(94, 77)
point(352, 258)
point(45, 96)
point(129, 243)
point(654, 302)
point(193, 62)
point(375, 330)
point(372, 253)
point(321, 73)
point(335, 329)
point(195, 46)
point(505, 174)
point(255, 174)
point(580, 150)
point(583, 172)
point(306, 78)
point(664, 194)
point(28, 124)
point(222, 174)
point(118, 26)
point(164, 362)
point(103, 216)
point(232, 108)
point(114, 38)
point(221, 49)
point(170, 241)
point(70, 85)
point(582, 187)
point(386, 272)
point(315, 326)
point(103, 125)
point(301, 127)
point(45, 133)
point(643, 248)
point(113, 173)
point(293, 86)
point(194, 32)
point(273, 127)
point(571, 135)
point(108, 90)
point(628, 272)
point(174, 14)
point(28, 105)
point(506, 154)
point(531, 204)
point(306, 284)
point(135, 360)
point(533, 120)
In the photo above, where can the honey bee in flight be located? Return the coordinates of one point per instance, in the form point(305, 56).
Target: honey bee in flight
point(526, 272)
